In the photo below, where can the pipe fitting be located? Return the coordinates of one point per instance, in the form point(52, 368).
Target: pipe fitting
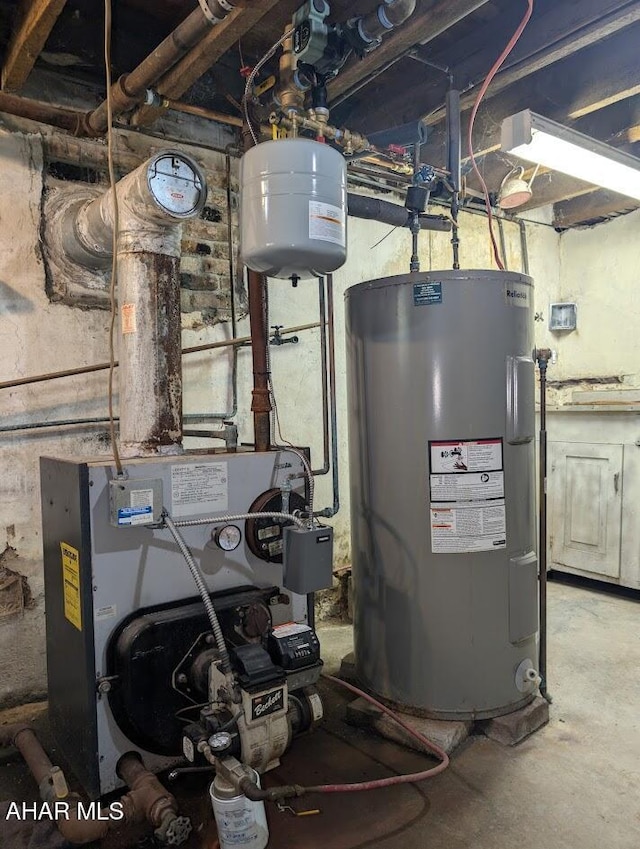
point(148, 800)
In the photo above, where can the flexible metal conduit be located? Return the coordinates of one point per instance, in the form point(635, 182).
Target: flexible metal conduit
point(198, 579)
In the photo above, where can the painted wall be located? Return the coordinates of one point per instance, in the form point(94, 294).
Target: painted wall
point(38, 336)
point(598, 270)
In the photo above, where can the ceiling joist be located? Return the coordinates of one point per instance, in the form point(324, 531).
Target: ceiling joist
point(432, 19)
point(34, 22)
point(580, 85)
point(590, 208)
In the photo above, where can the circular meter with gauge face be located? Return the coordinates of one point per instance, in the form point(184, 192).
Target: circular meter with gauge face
point(177, 184)
point(227, 538)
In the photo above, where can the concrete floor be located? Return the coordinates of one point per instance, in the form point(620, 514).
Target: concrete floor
point(574, 785)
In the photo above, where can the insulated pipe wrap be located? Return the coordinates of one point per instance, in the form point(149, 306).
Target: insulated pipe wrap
point(374, 209)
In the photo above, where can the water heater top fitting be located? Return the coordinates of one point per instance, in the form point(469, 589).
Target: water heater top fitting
point(293, 208)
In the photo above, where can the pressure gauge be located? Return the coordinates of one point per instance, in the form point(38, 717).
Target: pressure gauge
point(220, 742)
point(227, 538)
point(177, 184)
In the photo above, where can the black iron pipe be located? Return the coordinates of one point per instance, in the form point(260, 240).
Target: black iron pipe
point(374, 209)
point(454, 165)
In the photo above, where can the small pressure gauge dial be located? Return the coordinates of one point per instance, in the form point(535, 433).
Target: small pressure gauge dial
point(227, 538)
point(220, 742)
point(177, 184)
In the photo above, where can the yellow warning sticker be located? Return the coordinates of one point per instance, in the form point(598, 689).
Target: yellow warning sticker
point(71, 584)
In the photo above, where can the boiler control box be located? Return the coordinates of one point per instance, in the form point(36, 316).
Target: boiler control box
point(135, 502)
point(308, 559)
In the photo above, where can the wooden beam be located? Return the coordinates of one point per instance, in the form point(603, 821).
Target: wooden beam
point(34, 22)
point(553, 36)
point(560, 31)
point(198, 61)
point(431, 19)
point(602, 74)
point(590, 207)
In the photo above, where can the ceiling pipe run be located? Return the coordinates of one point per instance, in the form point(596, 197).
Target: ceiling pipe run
point(131, 89)
point(152, 202)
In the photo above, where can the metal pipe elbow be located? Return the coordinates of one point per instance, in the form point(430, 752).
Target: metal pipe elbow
point(81, 832)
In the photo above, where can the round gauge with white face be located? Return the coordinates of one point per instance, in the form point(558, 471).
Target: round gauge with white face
point(228, 538)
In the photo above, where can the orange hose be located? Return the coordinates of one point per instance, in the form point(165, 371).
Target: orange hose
point(483, 90)
point(412, 778)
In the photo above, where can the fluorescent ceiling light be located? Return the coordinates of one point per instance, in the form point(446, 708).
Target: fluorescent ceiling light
point(536, 139)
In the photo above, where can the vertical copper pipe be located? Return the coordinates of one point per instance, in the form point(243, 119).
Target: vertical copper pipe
point(261, 401)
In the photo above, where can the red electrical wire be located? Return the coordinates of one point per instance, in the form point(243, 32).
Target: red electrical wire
point(483, 90)
point(413, 778)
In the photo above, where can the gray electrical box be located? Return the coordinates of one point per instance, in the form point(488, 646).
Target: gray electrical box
point(135, 502)
point(308, 559)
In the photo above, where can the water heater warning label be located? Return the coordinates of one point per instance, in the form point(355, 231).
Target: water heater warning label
point(468, 527)
point(466, 485)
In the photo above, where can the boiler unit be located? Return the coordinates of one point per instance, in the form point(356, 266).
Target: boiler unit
point(441, 433)
point(135, 664)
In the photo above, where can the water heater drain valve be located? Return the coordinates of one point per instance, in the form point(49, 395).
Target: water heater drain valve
point(527, 677)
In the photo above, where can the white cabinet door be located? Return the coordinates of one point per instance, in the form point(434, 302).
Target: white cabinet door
point(585, 488)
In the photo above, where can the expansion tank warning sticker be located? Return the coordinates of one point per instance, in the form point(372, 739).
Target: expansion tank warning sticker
point(466, 485)
point(327, 223)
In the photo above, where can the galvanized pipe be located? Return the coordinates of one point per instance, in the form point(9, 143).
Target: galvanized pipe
point(326, 465)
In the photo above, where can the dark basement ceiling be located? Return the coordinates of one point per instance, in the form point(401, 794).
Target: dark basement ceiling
point(578, 63)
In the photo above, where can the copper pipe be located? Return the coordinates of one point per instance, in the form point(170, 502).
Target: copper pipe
point(75, 831)
point(201, 112)
point(194, 349)
point(131, 88)
point(261, 399)
point(36, 110)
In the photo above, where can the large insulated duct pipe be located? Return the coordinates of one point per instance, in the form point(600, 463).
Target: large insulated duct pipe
point(152, 202)
point(131, 89)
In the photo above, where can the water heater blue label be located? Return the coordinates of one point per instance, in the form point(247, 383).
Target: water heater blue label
point(425, 294)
